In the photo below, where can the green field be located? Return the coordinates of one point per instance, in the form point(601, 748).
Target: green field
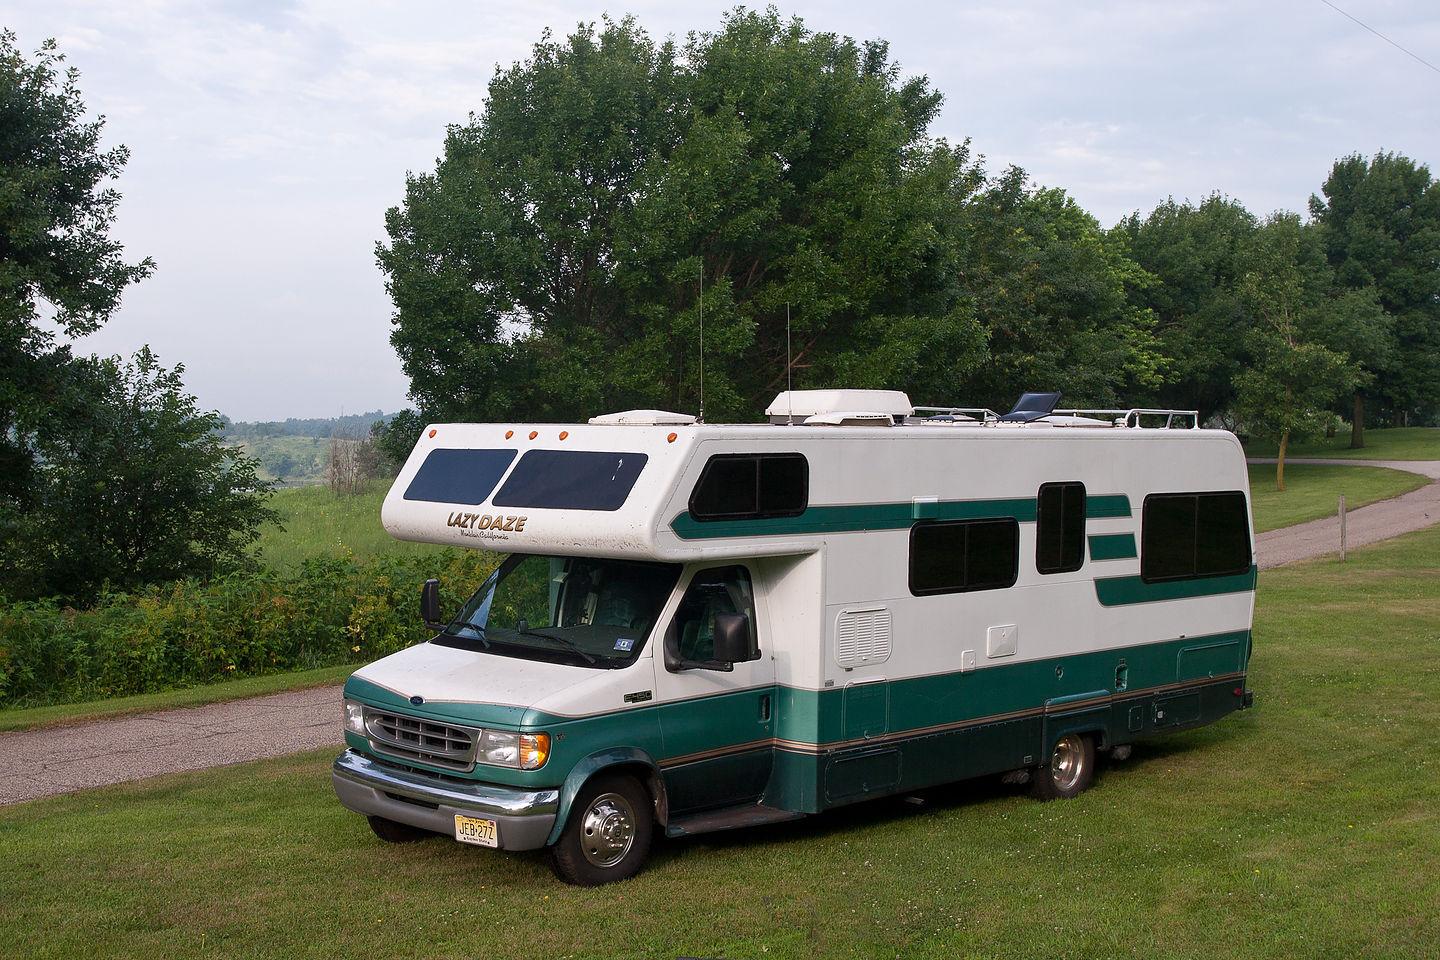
point(1397, 443)
point(1304, 827)
point(315, 521)
point(1312, 491)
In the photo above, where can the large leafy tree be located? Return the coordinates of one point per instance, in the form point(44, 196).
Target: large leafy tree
point(1297, 342)
point(1195, 254)
point(1049, 288)
point(59, 269)
point(108, 473)
point(1380, 220)
point(138, 488)
point(553, 264)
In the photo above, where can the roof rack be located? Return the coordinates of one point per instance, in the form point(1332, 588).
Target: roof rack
point(1133, 417)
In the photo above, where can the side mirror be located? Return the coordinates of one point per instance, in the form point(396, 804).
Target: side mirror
point(734, 643)
point(430, 604)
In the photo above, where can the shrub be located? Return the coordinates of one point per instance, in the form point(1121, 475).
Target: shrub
point(332, 610)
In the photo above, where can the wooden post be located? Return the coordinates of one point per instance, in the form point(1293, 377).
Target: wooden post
point(1342, 528)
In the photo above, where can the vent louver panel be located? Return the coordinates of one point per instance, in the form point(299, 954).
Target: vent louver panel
point(862, 637)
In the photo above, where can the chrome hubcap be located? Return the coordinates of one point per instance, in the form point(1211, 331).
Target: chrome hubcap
point(607, 830)
point(1065, 765)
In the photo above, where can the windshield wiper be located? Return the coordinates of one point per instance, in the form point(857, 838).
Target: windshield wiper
point(479, 633)
point(525, 630)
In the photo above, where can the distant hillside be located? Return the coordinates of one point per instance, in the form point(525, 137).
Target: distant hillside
point(296, 451)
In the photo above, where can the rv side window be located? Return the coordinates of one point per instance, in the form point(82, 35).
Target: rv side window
point(1060, 527)
point(751, 486)
point(954, 556)
point(1189, 535)
point(459, 476)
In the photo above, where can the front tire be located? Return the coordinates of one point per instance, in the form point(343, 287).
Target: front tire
point(608, 835)
point(394, 832)
point(1070, 770)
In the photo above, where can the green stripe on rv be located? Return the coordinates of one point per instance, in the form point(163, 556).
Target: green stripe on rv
point(1122, 591)
point(883, 516)
point(817, 718)
point(1113, 546)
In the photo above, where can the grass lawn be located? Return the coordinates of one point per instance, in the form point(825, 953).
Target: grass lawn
point(1305, 827)
point(1312, 490)
point(1397, 443)
point(318, 522)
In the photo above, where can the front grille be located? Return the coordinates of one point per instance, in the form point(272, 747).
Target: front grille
point(409, 738)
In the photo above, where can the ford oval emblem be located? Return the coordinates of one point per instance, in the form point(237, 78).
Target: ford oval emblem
point(417, 699)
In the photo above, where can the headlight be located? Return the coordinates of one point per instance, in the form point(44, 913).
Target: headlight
point(522, 751)
point(354, 718)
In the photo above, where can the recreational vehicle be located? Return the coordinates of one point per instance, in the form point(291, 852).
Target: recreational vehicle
point(700, 626)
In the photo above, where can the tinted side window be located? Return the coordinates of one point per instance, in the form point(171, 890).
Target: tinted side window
point(459, 476)
point(1060, 527)
point(751, 486)
point(1189, 535)
point(571, 480)
point(956, 556)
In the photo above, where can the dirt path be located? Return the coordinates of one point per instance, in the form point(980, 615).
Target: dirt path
point(43, 763)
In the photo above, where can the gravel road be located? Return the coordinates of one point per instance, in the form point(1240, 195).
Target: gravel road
point(54, 760)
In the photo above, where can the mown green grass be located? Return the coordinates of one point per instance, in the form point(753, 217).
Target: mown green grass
point(1304, 827)
point(1312, 491)
point(1396, 443)
point(318, 522)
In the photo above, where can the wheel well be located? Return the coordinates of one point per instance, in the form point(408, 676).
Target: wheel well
point(648, 778)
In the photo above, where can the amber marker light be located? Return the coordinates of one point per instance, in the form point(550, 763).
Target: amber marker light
point(564, 434)
point(509, 434)
point(534, 434)
point(671, 438)
point(433, 432)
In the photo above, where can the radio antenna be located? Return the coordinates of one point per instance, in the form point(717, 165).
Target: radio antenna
point(702, 339)
point(789, 393)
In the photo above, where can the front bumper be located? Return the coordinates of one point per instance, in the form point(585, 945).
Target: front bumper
point(523, 817)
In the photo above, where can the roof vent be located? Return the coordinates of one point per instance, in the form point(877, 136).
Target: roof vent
point(1032, 406)
point(839, 406)
point(653, 418)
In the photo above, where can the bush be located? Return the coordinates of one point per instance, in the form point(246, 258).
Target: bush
point(332, 610)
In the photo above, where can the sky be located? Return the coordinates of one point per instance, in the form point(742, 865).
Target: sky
point(268, 137)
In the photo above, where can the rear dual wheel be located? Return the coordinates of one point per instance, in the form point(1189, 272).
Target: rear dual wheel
point(1070, 770)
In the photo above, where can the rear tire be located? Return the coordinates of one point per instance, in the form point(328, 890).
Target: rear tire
point(608, 835)
point(1070, 770)
point(393, 832)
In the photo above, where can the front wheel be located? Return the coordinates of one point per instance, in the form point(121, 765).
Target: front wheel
point(1070, 770)
point(392, 832)
point(608, 835)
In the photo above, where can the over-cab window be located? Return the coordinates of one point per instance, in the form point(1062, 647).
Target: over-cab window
point(955, 556)
point(571, 480)
point(459, 476)
point(1189, 535)
point(1060, 527)
point(749, 486)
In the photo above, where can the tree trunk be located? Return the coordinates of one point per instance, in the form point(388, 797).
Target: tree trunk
point(1357, 423)
point(1280, 462)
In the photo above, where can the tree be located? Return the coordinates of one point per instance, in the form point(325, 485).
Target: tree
point(1381, 227)
point(137, 488)
point(55, 218)
point(553, 264)
point(1049, 289)
point(1194, 254)
point(1297, 365)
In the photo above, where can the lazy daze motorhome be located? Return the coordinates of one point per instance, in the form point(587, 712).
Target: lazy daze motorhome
point(705, 626)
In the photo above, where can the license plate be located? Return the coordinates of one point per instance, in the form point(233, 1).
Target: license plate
point(476, 831)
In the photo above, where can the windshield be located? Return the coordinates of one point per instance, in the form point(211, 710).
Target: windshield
point(578, 610)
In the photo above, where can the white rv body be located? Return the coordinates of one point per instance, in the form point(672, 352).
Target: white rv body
point(926, 599)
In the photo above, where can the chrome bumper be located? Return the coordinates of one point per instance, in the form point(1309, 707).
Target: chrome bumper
point(523, 817)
